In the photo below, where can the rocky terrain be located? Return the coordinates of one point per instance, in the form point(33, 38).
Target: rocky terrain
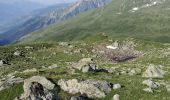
point(121, 69)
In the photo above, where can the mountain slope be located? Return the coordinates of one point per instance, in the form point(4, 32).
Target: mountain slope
point(63, 12)
point(145, 19)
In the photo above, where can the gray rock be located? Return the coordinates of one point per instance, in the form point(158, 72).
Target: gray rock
point(168, 87)
point(149, 90)
point(151, 84)
point(116, 97)
point(1, 63)
point(28, 47)
point(135, 71)
point(53, 66)
point(116, 86)
point(17, 53)
point(154, 72)
point(93, 89)
point(30, 70)
point(64, 44)
point(85, 69)
point(38, 88)
point(9, 82)
point(85, 65)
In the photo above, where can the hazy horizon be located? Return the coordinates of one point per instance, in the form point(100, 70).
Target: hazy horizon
point(43, 2)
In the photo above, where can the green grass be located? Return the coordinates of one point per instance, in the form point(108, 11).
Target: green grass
point(154, 53)
point(11, 93)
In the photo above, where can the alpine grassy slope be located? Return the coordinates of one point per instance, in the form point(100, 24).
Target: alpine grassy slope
point(117, 51)
point(144, 19)
point(37, 59)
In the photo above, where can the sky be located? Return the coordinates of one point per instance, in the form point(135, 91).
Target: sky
point(50, 2)
point(44, 2)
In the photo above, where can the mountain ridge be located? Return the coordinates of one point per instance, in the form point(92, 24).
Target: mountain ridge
point(36, 23)
point(116, 20)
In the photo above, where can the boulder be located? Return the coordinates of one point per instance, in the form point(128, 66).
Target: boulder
point(92, 88)
point(85, 65)
point(153, 72)
point(116, 97)
point(151, 84)
point(38, 88)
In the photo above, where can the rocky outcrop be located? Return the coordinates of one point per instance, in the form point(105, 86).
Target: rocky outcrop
point(92, 88)
point(85, 65)
point(153, 72)
point(38, 88)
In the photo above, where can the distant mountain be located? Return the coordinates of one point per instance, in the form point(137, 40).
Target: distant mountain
point(142, 19)
point(11, 9)
point(41, 19)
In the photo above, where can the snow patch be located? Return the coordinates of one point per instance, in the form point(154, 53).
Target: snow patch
point(136, 8)
point(146, 5)
point(111, 47)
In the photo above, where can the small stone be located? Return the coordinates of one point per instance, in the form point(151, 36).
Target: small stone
point(116, 86)
point(64, 44)
point(149, 90)
point(30, 70)
point(17, 53)
point(28, 47)
point(151, 84)
point(53, 66)
point(168, 87)
point(1, 63)
point(116, 97)
point(135, 71)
